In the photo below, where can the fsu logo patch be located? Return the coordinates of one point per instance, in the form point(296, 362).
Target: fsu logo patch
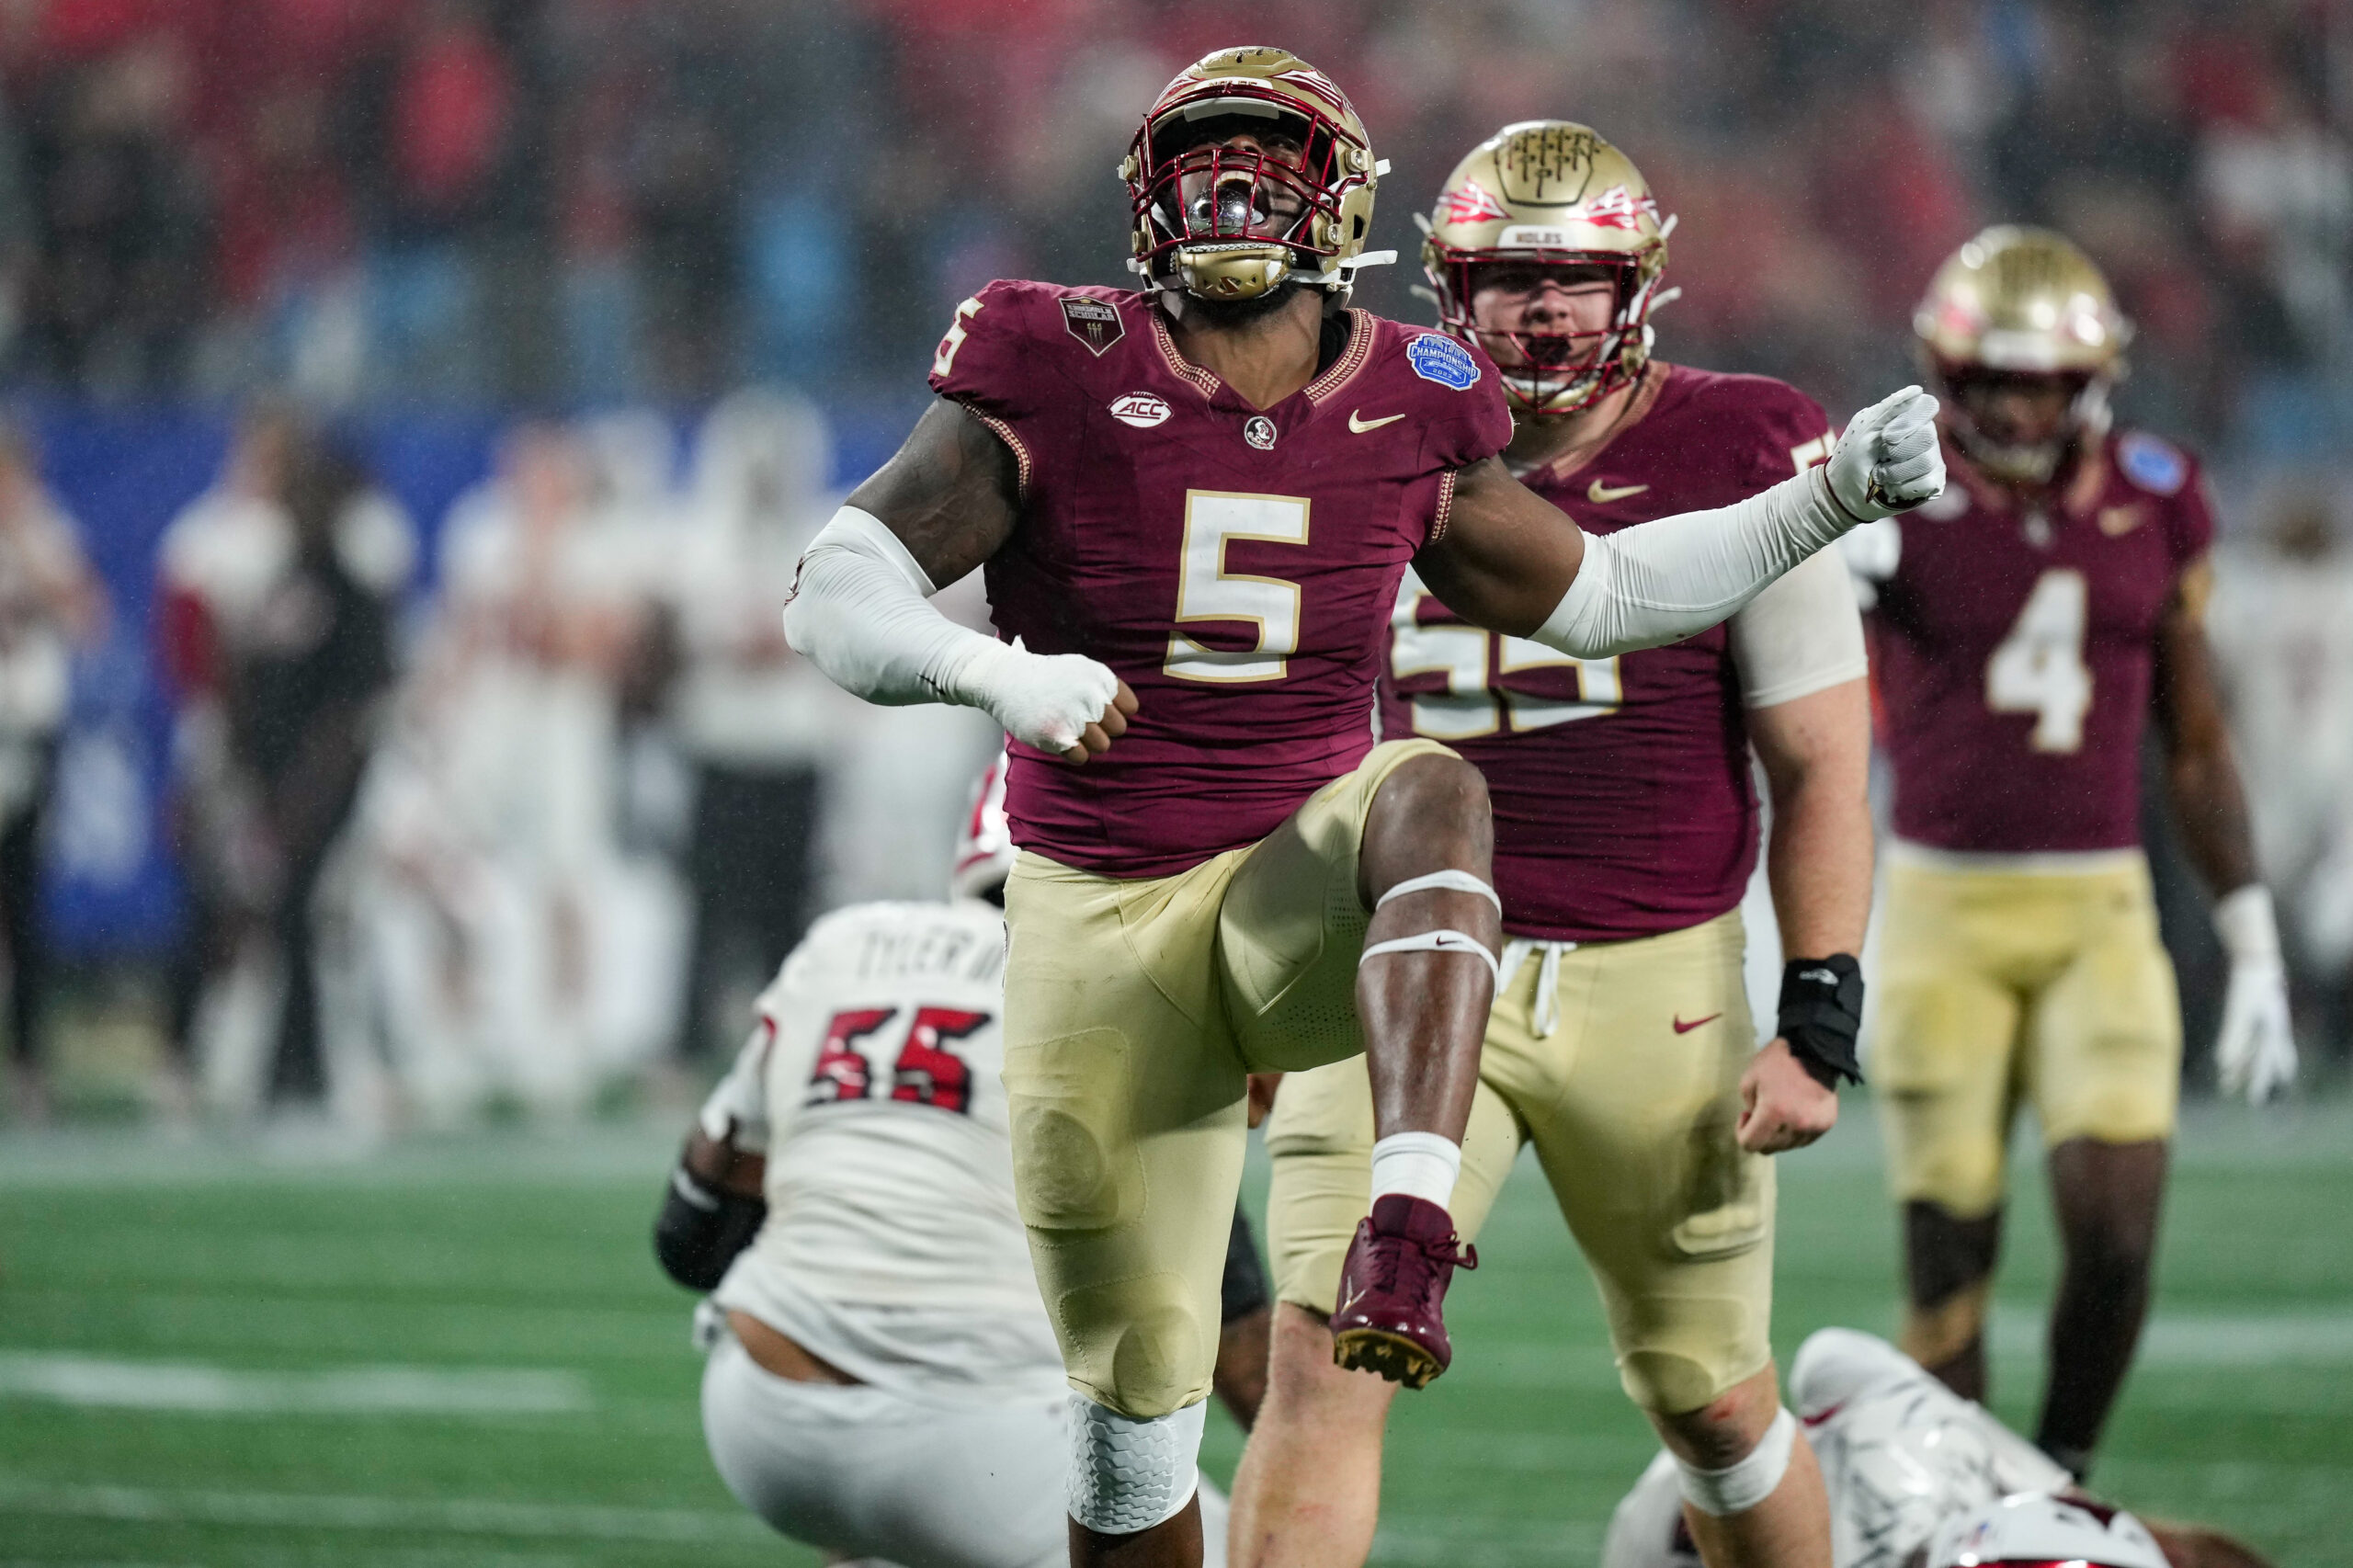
point(1094, 323)
point(1142, 409)
point(1437, 358)
point(1259, 431)
point(1616, 207)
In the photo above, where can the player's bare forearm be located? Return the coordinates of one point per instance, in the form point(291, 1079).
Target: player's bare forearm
point(1507, 554)
point(951, 493)
point(2201, 775)
point(1816, 754)
point(721, 1165)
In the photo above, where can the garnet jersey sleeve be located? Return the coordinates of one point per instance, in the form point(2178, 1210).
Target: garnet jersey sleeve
point(2172, 480)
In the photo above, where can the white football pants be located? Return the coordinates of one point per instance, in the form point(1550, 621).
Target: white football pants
point(865, 1474)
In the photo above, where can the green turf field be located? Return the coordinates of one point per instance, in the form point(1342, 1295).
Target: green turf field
point(460, 1353)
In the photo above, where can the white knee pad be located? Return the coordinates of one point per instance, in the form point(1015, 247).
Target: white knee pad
point(1128, 1476)
point(1739, 1487)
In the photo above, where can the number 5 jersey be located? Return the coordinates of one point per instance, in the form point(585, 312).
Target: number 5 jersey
point(891, 1249)
point(2015, 644)
point(1235, 565)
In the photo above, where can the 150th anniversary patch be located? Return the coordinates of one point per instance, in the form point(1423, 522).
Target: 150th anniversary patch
point(1092, 322)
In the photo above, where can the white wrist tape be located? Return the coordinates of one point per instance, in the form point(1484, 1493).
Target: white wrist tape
point(1128, 1476)
point(2247, 925)
point(857, 612)
point(1737, 1488)
point(1662, 581)
point(1418, 1164)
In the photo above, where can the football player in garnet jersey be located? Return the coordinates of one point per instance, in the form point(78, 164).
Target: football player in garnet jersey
point(1194, 504)
point(2026, 628)
point(1625, 828)
point(1914, 1470)
point(883, 1384)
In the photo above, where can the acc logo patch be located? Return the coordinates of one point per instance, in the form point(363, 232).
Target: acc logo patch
point(1259, 431)
point(1140, 409)
point(2155, 466)
point(1437, 358)
point(1094, 323)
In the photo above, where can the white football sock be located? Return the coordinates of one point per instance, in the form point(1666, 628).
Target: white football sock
point(1418, 1164)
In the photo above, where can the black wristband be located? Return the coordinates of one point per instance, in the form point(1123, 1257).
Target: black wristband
point(1822, 1014)
point(702, 1228)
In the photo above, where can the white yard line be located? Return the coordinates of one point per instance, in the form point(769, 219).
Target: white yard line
point(2222, 1339)
point(452, 1515)
point(197, 1386)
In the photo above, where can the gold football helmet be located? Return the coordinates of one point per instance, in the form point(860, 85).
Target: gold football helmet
point(2022, 307)
point(1251, 168)
point(1550, 193)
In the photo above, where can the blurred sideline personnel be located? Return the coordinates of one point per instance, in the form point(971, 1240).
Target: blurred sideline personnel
point(882, 1381)
point(235, 580)
point(1626, 829)
point(50, 602)
point(1917, 1477)
point(1195, 503)
point(2027, 624)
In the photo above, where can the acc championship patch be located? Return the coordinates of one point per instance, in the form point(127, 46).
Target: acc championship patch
point(1437, 358)
point(1092, 322)
point(2155, 466)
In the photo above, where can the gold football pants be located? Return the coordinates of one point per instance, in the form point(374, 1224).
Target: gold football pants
point(1999, 988)
point(1135, 1010)
point(1626, 1078)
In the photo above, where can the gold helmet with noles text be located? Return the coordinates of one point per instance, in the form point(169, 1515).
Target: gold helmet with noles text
point(1222, 221)
point(1550, 193)
point(2018, 303)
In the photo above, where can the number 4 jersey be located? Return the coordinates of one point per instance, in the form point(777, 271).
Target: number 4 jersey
point(1235, 565)
point(2014, 645)
point(891, 1249)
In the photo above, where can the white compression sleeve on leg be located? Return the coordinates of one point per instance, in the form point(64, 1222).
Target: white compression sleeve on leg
point(1739, 1487)
point(857, 612)
point(1128, 1476)
point(1662, 581)
point(1418, 1164)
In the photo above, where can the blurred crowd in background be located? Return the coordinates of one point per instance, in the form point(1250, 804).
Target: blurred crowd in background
point(476, 768)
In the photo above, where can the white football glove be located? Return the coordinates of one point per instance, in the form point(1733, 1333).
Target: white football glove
point(2254, 1054)
point(1889, 460)
point(1045, 700)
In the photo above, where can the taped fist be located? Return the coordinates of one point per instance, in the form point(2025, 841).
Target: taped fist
point(1889, 461)
point(1064, 703)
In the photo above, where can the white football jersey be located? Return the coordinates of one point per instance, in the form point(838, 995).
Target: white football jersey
point(1900, 1453)
point(893, 1248)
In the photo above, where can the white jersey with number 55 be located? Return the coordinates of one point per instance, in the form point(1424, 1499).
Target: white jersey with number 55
point(893, 1248)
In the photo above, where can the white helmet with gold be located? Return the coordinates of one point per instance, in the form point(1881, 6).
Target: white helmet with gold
point(1224, 220)
point(2021, 304)
point(1550, 193)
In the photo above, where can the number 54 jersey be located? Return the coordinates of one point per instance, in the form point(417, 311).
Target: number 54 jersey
point(2015, 645)
point(1235, 565)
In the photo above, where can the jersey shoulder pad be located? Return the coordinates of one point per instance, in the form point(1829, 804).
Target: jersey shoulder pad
point(1772, 414)
point(1452, 387)
point(2153, 464)
point(1013, 343)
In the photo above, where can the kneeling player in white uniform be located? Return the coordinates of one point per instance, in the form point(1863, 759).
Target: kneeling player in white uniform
point(1919, 1477)
point(883, 1382)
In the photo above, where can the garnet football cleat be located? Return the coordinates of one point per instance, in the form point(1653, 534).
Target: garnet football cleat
point(1390, 1318)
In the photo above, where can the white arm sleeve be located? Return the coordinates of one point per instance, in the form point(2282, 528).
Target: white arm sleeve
point(1662, 581)
point(1802, 635)
point(857, 612)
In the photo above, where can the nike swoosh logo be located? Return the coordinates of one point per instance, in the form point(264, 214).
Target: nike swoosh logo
point(1601, 495)
point(1682, 1027)
point(1358, 423)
